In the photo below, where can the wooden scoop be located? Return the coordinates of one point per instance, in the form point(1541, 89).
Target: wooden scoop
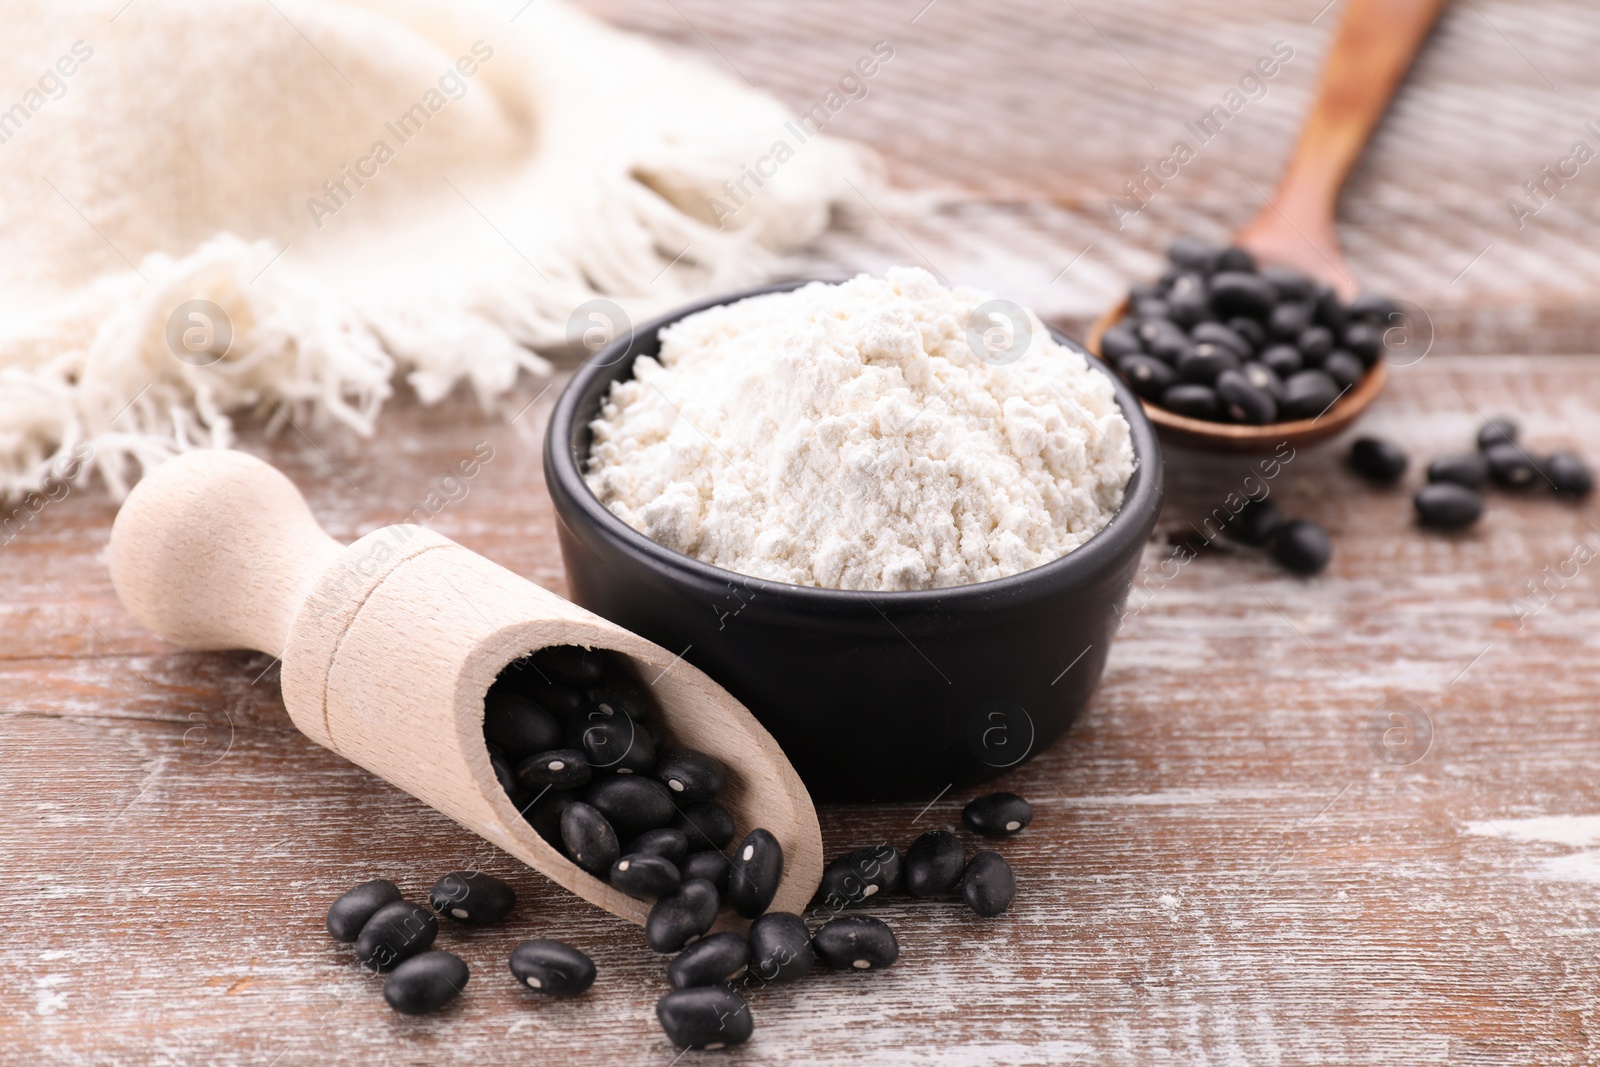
point(389, 645)
point(1376, 42)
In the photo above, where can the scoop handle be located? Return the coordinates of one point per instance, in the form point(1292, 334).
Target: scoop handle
point(216, 549)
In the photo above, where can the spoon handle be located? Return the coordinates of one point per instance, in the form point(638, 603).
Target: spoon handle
point(1371, 52)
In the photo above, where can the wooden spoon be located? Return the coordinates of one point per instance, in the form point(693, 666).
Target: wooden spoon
point(1374, 47)
point(389, 645)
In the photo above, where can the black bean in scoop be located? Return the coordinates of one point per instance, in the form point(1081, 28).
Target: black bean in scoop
point(705, 1017)
point(692, 776)
point(1244, 401)
point(682, 917)
point(472, 897)
point(988, 886)
point(1464, 468)
point(554, 968)
point(570, 664)
point(562, 768)
point(710, 961)
point(710, 865)
point(1308, 394)
point(348, 914)
point(757, 870)
point(856, 942)
point(666, 842)
point(1510, 466)
point(997, 815)
point(1378, 459)
point(934, 863)
point(1569, 474)
point(1447, 505)
point(426, 983)
point(859, 876)
point(396, 932)
point(707, 826)
point(1496, 432)
point(1147, 375)
point(517, 725)
point(632, 803)
point(503, 773)
point(610, 740)
point(645, 876)
point(1195, 401)
point(545, 811)
point(588, 838)
point(621, 691)
point(1302, 546)
point(1256, 522)
point(780, 948)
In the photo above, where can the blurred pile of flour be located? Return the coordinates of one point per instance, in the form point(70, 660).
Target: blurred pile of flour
point(279, 207)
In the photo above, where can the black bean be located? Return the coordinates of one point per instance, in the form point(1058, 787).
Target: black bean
point(706, 1017)
point(1195, 401)
point(780, 948)
point(554, 968)
point(570, 664)
point(1315, 344)
point(1283, 360)
point(348, 914)
point(517, 725)
point(666, 842)
point(1511, 467)
point(1119, 341)
point(1330, 312)
point(611, 740)
point(934, 863)
point(757, 870)
point(632, 803)
point(1365, 340)
point(1167, 277)
point(589, 839)
point(1191, 253)
point(645, 875)
point(1289, 321)
point(997, 815)
point(503, 772)
point(1143, 290)
point(1464, 468)
point(1447, 505)
point(396, 932)
point(559, 700)
point(1288, 283)
point(426, 982)
point(710, 961)
point(1226, 336)
point(692, 776)
point(1250, 330)
point(1378, 459)
point(1568, 473)
point(682, 917)
point(1189, 307)
point(1302, 546)
point(988, 886)
point(1257, 522)
point(1147, 375)
point(1372, 307)
point(1170, 347)
point(544, 814)
point(707, 826)
point(1496, 432)
point(1237, 293)
point(563, 768)
point(858, 876)
point(856, 942)
point(1344, 368)
point(472, 897)
point(710, 865)
point(622, 692)
point(1308, 394)
point(1263, 377)
point(1236, 259)
point(1244, 401)
point(1152, 308)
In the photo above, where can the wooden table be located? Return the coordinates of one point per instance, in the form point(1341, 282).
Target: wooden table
point(1236, 859)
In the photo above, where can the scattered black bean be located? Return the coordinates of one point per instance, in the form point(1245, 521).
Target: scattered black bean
point(517, 725)
point(632, 804)
point(988, 886)
point(1447, 505)
point(692, 776)
point(1510, 467)
point(1378, 459)
point(682, 917)
point(570, 664)
point(472, 897)
point(710, 961)
point(1244, 401)
point(610, 740)
point(1195, 401)
point(588, 838)
point(856, 942)
point(705, 1017)
point(1302, 546)
point(707, 826)
point(396, 932)
point(1147, 375)
point(1308, 394)
point(757, 870)
point(1496, 432)
point(426, 982)
point(1464, 468)
point(858, 876)
point(666, 842)
point(780, 948)
point(348, 914)
point(710, 865)
point(562, 768)
point(997, 815)
point(1569, 474)
point(645, 875)
point(1257, 522)
point(934, 863)
point(554, 968)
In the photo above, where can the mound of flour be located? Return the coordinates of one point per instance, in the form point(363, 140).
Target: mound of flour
point(848, 436)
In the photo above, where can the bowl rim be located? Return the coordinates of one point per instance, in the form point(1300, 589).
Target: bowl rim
point(1141, 503)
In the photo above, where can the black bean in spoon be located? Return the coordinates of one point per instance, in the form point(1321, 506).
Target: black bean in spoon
point(710, 865)
point(1378, 459)
point(570, 664)
point(472, 897)
point(692, 776)
point(562, 768)
point(710, 961)
point(707, 825)
point(1309, 393)
point(426, 982)
point(705, 1017)
point(757, 870)
point(1344, 368)
point(610, 740)
point(988, 886)
point(997, 815)
point(631, 803)
point(1302, 546)
point(780, 947)
point(682, 917)
point(645, 876)
point(553, 968)
point(666, 842)
point(588, 838)
point(856, 942)
point(1463, 468)
point(1147, 376)
point(934, 863)
point(518, 725)
point(348, 914)
point(1244, 401)
point(1447, 505)
point(1283, 360)
point(1195, 401)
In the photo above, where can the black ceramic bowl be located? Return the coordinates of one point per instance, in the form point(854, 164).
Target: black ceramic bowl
point(873, 696)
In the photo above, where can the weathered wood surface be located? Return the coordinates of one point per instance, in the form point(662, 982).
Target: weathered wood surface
point(1221, 871)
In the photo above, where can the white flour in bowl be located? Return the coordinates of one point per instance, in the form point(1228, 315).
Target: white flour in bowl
point(848, 436)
